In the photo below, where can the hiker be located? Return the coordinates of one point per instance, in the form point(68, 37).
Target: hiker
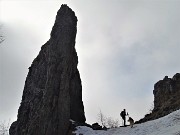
point(123, 115)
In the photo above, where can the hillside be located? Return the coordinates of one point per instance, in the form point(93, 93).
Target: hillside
point(168, 125)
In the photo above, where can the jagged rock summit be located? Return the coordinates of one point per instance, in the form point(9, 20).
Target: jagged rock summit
point(53, 93)
point(166, 97)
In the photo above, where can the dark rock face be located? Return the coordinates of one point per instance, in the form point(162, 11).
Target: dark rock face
point(53, 93)
point(166, 97)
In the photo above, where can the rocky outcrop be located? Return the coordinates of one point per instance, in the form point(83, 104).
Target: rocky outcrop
point(166, 97)
point(53, 93)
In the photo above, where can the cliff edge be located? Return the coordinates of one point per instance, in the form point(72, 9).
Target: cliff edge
point(166, 98)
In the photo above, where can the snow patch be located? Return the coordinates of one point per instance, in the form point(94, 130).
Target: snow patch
point(168, 125)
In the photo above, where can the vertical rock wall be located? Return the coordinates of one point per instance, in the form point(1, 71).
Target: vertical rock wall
point(166, 97)
point(53, 93)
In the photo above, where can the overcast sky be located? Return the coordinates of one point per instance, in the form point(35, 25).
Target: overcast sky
point(124, 48)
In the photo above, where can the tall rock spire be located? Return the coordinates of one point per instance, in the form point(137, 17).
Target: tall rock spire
point(52, 93)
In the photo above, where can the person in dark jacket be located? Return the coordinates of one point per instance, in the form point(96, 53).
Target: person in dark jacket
point(123, 115)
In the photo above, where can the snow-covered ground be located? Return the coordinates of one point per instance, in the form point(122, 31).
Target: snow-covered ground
point(168, 125)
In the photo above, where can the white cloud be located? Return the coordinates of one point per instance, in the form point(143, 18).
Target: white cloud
point(124, 47)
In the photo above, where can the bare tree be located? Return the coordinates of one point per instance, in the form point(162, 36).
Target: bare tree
point(1, 39)
point(102, 119)
point(1, 36)
point(108, 122)
point(111, 123)
point(151, 108)
point(4, 128)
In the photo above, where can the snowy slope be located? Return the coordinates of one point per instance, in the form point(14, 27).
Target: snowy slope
point(168, 125)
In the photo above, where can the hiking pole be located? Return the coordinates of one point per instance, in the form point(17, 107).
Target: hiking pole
point(128, 114)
